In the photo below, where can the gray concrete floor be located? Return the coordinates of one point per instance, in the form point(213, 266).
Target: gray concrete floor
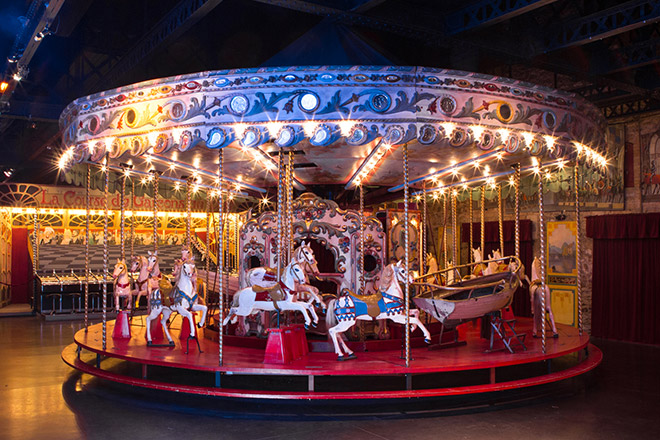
point(42, 398)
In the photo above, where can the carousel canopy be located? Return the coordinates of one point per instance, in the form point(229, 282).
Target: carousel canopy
point(344, 125)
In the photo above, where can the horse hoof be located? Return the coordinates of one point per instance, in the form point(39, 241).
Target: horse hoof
point(171, 343)
point(200, 325)
point(427, 340)
point(556, 335)
point(149, 343)
point(315, 324)
point(306, 326)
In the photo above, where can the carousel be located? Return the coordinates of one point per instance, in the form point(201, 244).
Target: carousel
point(317, 301)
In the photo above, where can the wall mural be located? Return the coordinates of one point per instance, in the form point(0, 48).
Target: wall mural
point(561, 261)
point(650, 151)
point(599, 192)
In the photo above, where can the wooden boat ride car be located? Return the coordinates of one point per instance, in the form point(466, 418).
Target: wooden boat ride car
point(470, 298)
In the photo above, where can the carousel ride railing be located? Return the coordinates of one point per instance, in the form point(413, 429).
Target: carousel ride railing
point(58, 293)
point(200, 246)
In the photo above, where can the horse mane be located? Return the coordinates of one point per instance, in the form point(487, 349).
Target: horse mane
point(386, 277)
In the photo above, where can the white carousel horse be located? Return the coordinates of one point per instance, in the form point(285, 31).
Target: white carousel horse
point(250, 299)
point(496, 266)
point(183, 301)
point(535, 292)
point(479, 268)
point(199, 286)
point(121, 284)
point(431, 263)
point(346, 310)
point(267, 277)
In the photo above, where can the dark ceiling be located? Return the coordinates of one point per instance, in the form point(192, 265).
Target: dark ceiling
point(607, 51)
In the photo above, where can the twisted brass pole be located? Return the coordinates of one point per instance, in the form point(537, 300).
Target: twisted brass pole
point(517, 201)
point(87, 203)
point(578, 249)
point(483, 222)
point(542, 240)
point(219, 267)
point(499, 218)
point(361, 267)
point(470, 209)
point(105, 248)
point(406, 199)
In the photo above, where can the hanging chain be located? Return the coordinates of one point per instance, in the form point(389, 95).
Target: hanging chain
point(542, 241)
point(220, 266)
point(406, 199)
point(578, 225)
point(105, 248)
point(517, 196)
point(87, 203)
point(470, 209)
point(500, 214)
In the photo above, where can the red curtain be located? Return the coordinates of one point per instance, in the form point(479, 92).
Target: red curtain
point(21, 266)
point(626, 277)
point(521, 305)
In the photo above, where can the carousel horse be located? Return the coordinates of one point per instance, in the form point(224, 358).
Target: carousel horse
point(346, 310)
point(267, 277)
point(479, 268)
point(535, 292)
point(199, 286)
point(279, 297)
point(148, 274)
point(182, 299)
point(121, 284)
point(496, 266)
point(431, 263)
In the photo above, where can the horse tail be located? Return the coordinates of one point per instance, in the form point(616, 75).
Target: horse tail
point(330, 318)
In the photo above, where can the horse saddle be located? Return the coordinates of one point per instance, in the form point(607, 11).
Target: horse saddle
point(478, 270)
point(165, 288)
point(270, 274)
point(373, 309)
point(274, 293)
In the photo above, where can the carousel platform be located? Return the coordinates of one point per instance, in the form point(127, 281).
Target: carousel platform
point(457, 371)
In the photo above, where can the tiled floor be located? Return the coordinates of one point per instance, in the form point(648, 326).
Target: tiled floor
point(42, 398)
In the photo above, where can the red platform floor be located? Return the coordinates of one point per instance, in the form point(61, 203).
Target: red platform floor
point(567, 356)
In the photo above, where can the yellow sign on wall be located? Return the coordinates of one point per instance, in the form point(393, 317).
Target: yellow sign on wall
point(564, 306)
